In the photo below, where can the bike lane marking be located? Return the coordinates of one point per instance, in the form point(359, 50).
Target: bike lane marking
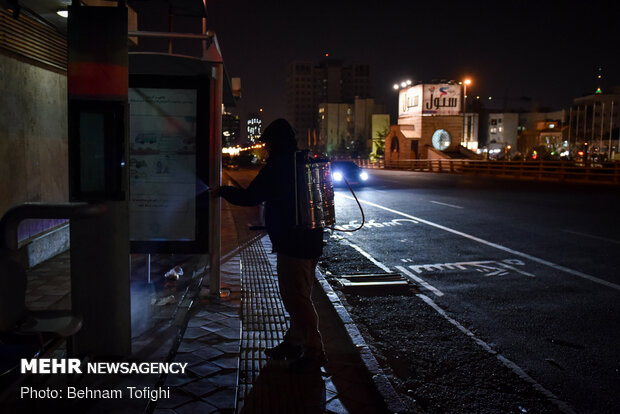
point(563, 406)
point(494, 245)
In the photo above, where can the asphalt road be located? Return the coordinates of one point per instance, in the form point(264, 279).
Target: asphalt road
point(529, 269)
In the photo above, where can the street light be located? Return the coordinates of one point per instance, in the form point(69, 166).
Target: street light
point(402, 84)
point(465, 83)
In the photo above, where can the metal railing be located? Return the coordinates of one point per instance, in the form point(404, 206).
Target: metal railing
point(560, 171)
point(366, 163)
point(11, 219)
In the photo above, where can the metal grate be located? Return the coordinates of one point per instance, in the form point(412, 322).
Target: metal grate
point(32, 39)
point(263, 318)
point(375, 284)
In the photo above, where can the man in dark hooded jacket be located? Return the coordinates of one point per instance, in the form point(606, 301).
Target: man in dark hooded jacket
point(298, 249)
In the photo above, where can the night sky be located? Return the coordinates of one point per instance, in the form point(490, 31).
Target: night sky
point(545, 50)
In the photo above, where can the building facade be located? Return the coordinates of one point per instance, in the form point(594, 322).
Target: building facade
point(254, 128)
point(310, 85)
point(594, 119)
point(345, 128)
point(430, 122)
point(503, 129)
point(510, 133)
point(336, 128)
point(33, 126)
point(231, 129)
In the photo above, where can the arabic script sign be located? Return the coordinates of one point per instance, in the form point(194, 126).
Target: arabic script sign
point(435, 99)
point(485, 267)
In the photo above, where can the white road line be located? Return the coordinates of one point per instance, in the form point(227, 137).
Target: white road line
point(592, 236)
point(424, 283)
point(523, 272)
point(368, 256)
point(445, 204)
point(564, 407)
point(496, 246)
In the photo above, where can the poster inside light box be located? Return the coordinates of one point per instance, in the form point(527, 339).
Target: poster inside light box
point(162, 164)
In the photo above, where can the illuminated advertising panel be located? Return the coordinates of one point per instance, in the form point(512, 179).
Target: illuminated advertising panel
point(410, 102)
point(162, 164)
point(441, 99)
point(429, 99)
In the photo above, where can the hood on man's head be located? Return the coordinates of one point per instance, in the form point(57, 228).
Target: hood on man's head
point(279, 134)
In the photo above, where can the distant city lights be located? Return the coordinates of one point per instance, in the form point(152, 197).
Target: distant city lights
point(254, 128)
point(237, 150)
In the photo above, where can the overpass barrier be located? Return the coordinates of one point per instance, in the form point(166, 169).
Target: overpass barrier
point(560, 171)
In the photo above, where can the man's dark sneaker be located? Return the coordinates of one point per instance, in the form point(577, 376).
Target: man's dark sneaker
point(308, 363)
point(284, 351)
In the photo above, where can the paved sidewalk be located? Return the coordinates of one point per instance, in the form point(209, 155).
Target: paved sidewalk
point(225, 339)
point(221, 339)
point(224, 343)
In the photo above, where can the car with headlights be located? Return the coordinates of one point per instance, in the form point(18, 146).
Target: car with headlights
point(347, 170)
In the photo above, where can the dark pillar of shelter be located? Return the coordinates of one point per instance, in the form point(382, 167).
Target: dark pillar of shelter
point(98, 89)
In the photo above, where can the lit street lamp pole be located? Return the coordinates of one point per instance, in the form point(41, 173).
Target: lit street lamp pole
point(465, 83)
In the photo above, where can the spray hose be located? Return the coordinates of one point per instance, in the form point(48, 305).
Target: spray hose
point(361, 211)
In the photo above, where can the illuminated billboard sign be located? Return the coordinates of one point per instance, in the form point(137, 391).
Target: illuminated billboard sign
point(442, 99)
point(434, 99)
point(410, 102)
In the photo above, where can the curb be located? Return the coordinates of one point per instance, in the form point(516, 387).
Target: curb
point(381, 382)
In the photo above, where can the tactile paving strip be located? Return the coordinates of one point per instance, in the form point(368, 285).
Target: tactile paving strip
point(264, 320)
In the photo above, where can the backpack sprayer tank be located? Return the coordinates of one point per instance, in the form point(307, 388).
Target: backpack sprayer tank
point(314, 192)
